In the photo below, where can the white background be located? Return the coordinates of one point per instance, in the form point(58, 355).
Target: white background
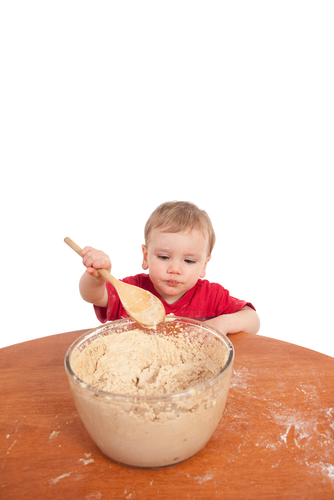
point(110, 108)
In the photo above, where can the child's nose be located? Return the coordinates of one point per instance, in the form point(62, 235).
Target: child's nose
point(174, 267)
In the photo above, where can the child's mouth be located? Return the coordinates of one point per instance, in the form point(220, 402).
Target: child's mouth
point(172, 283)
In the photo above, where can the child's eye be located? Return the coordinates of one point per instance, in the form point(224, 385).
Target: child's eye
point(163, 257)
point(189, 261)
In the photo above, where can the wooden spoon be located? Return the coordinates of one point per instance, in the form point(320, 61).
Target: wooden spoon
point(140, 304)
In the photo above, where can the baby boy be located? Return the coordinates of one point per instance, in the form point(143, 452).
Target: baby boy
point(179, 239)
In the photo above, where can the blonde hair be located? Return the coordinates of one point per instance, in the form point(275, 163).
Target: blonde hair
point(177, 216)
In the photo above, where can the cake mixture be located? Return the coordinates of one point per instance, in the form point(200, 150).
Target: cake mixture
point(137, 363)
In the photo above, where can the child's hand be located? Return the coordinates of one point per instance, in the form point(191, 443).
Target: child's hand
point(95, 259)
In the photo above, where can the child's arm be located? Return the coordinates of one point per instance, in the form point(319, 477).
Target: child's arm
point(92, 285)
point(245, 320)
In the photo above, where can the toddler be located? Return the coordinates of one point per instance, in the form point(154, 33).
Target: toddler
point(179, 239)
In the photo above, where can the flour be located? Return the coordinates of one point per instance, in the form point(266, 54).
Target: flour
point(302, 429)
point(138, 363)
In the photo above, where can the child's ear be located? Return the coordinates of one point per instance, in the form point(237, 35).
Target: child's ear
point(202, 275)
point(145, 252)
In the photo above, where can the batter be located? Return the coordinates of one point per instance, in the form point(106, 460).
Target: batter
point(137, 363)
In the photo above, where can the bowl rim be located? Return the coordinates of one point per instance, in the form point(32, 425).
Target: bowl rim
point(140, 398)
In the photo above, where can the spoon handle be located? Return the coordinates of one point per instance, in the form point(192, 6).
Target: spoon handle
point(103, 272)
point(73, 245)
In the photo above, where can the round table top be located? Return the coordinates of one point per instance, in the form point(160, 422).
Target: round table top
point(274, 440)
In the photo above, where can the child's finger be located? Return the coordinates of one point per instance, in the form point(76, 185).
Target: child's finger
point(85, 250)
point(97, 261)
point(93, 272)
point(91, 257)
point(100, 264)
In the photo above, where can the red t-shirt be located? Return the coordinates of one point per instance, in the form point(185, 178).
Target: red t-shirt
point(204, 301)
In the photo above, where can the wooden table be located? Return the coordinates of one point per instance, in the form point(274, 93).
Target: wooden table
point(274, 441)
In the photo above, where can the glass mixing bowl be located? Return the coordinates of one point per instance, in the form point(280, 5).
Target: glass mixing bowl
point(160, 430)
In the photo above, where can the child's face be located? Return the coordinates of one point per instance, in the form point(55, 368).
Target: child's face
point(175, 262)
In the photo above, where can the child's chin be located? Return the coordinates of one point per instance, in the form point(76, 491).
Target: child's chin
point(173, 297)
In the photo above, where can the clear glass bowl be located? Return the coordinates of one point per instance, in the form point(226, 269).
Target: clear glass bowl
point(156, 430)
